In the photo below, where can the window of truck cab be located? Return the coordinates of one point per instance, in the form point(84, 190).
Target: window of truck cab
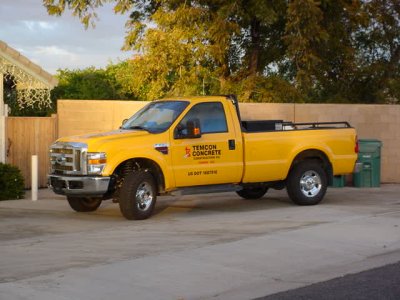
point(211, 116)
point(156, 117)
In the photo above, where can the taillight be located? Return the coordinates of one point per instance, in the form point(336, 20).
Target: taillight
point(356, 148)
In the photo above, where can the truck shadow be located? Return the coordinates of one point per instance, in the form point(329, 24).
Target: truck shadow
point(219, 203)
point(167, 206)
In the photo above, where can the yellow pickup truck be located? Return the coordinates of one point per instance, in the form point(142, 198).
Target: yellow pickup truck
point(199, 145)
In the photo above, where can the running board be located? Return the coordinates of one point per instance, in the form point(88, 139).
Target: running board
point(206, 189)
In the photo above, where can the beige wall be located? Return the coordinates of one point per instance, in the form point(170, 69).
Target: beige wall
point(380, 122)
point(84, 116)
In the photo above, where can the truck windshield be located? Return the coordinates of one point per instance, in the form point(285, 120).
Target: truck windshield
point(156, 116)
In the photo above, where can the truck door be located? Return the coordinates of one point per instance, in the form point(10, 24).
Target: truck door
point(213, 157)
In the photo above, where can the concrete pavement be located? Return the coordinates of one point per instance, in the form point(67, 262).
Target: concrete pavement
point(214, 246)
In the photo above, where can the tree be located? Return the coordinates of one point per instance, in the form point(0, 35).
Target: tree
point(89, 83)
point(325, 51)
point(196, 47)
point(305, 35)
point(379, 49)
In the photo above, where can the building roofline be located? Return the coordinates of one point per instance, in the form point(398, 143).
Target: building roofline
point(16, 58)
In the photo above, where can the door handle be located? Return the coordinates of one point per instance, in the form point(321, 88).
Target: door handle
point(232, 145)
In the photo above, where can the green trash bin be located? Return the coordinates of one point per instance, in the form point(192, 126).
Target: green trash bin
point(370, 156)
point(338, 181)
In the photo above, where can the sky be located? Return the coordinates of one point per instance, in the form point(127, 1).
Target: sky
point(61, 42)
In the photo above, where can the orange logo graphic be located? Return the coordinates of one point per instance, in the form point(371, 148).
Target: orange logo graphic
point(187, 149)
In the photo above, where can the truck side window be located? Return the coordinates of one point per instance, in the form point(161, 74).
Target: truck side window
point(211, 116)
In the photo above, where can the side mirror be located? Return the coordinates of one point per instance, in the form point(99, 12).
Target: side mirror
point(123, 122)
point(193, 129)
point(189, 131)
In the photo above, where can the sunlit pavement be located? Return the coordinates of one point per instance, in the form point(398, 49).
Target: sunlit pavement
point(194, 247)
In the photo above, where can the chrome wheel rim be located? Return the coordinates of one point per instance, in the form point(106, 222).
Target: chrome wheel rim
point(310, 184)
point(144, 196)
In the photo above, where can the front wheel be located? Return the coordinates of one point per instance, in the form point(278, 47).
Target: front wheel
point(138, 196)
point(252, 193)
point(307, 183)
point(84, 204)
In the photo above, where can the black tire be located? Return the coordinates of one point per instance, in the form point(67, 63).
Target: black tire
point(252, 193)
point(138, 196)
point(84, 204)
point(307, 183)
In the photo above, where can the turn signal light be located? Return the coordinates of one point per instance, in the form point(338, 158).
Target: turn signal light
point(97, 161)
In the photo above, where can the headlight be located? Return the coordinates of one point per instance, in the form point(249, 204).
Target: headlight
point(96, 161)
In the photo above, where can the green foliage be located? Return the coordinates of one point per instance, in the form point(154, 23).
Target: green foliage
point(265, 50)
point(304, 37)
point(89, 83)
point(84, 9)
point(11, 182)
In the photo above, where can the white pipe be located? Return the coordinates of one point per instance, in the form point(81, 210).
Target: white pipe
point(34, 183)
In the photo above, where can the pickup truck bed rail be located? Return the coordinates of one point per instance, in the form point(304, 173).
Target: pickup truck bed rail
point(280, 125)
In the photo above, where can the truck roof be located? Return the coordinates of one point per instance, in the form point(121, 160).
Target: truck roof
point(196, 98)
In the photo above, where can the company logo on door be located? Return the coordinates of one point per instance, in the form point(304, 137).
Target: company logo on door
point(209, 151)
point(187, 150)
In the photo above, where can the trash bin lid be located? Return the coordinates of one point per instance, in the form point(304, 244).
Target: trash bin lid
point(369, 145)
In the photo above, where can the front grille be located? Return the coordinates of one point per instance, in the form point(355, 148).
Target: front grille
point(59, 167)
point(66, 158)
point(63, 150)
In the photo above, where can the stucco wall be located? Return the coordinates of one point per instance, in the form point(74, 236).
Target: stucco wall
point(84, 116)
point(380, 122)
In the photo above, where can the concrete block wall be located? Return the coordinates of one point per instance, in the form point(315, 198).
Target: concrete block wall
point(380, 122)
point(267, 111)
point(85, 116)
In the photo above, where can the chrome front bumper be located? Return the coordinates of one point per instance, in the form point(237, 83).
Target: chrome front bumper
point(74, 185)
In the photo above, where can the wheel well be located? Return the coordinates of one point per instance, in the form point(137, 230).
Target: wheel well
point(134, 164)
point(318, 155)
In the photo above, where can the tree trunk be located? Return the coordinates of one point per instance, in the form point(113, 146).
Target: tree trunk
point(255, 48)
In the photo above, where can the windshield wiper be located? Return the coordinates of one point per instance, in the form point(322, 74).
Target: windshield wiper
point(137, 127)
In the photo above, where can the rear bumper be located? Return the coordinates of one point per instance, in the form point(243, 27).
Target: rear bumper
point(79, 186)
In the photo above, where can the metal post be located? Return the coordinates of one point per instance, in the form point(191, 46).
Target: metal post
point(2, 122)
point(34, 183)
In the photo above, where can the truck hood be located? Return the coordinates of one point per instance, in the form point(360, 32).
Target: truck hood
point(95, 141)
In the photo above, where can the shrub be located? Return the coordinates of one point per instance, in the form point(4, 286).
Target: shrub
point(11, 182)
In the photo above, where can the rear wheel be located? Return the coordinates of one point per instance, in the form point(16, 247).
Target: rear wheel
point(138, 196)
point(252, 193)
point(84, 204)
point(307, 183)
